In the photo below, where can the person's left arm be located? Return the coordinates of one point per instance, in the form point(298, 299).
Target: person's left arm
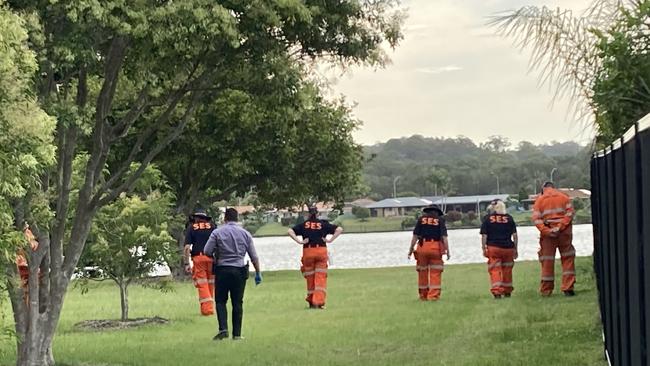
point(445, 240)
point(569, 211)
point(211, 245)
point(515, 237)
point(252, 254)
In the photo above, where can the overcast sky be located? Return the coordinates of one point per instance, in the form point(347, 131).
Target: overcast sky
point(452, 76)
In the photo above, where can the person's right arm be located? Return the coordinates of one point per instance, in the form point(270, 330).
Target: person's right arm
point(537, 218)
point(484, 244)
point(211, 244)
point(414, 241)
point(187, 250)
point(483, 233)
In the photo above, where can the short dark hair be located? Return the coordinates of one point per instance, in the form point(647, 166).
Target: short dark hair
point(231, 214)
point(549, 184)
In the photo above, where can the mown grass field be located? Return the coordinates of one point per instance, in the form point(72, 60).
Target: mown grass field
point(373, 317)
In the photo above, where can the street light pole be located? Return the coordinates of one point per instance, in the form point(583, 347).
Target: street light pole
point(497, 177)
point(395, 186)
point(553, 171)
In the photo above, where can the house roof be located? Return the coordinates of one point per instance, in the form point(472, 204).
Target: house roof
point(400, 202)
point(361, 202)
point(425, 201)
point(460, 200)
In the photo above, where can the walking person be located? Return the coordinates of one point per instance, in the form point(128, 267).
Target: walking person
point(430, 234)
point(197, 236)
point(314, 238)
point(553, 216)
point(499, 244)
point(229, 244)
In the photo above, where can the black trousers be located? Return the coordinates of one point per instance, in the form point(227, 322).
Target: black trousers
point(230, 280)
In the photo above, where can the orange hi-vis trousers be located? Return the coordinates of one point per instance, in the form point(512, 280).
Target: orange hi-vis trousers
point(548, 246)
point(429, 266)
point(500, 263)
point(203, 279)
point(314, 269)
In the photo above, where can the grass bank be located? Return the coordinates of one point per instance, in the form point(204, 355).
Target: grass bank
point(373, 318)
point(381, 224)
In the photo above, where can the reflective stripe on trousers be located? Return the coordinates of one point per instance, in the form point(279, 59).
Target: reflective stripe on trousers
point(203, 279)
point(548, 248)
point(500, 265)
point(314, 269)
point(429, 266)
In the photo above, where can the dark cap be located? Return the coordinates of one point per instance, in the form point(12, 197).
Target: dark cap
point(202, 214)
point(549, 184)
point(433, 208)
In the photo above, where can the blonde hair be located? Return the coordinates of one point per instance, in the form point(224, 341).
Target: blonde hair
point(499, 208)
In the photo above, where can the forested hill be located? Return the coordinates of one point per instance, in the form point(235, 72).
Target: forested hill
point(459, 166)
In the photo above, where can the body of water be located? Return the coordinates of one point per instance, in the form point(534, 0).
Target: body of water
point(371, 250)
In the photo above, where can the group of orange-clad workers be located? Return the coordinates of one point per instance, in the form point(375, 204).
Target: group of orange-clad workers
point(552, 215)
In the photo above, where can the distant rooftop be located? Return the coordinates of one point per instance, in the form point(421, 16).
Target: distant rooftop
point(460, 200)
point(426, 201)
point(401, 202)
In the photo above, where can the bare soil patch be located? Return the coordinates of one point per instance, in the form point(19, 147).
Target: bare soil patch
point(110, 324)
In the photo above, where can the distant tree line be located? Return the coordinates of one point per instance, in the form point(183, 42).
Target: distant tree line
point(428, 166)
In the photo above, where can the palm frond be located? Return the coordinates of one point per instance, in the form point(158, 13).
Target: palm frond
point(563, 45)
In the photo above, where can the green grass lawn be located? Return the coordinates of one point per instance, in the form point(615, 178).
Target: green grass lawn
point(373, 317)
point(271, 229)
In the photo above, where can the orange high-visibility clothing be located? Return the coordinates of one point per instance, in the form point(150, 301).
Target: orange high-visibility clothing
point(203, 279)
point(314, 269)
point(553, 210)
point(429, 266)
point(21, 262)
point(548, 246)
point(500, 263)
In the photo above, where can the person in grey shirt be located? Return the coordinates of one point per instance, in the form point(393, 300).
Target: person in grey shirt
point(229, 244)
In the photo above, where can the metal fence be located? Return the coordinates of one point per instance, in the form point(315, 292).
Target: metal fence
point(620, 177)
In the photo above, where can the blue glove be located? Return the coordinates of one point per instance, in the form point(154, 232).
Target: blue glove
point(258, 278)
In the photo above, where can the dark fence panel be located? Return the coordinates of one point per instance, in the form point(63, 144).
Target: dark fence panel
point(620, 178)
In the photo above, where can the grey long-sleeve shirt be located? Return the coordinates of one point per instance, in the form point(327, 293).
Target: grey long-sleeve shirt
point(232, 242)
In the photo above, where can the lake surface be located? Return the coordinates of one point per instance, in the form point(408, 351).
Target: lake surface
point(371, 250)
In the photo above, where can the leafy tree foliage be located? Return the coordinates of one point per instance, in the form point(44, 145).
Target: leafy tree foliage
point(125, 78)
point(457, 166)
point(361, 213)
point(26, 151)
point(130, 237)
point(599, 59)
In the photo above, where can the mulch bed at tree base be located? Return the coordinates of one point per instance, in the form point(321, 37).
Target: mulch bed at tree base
point(108, 324)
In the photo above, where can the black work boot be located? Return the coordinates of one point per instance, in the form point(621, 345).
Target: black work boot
point(223, 334)
point(569, 293)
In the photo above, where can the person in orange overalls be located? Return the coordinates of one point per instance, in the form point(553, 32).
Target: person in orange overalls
point(499, 243)
point(314, 233)
point(21, 261)
point(553, 215)
point(430, 234)
point(197, 235)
